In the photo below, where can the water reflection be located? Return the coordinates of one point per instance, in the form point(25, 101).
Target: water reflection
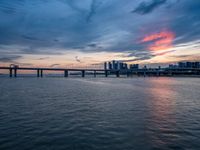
point(142, 113)
point(162, 108)
point(162, 98)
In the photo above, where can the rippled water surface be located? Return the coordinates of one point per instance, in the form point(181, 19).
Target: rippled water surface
point(100, 113)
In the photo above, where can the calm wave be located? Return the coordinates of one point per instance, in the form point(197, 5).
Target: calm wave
point(100, 113)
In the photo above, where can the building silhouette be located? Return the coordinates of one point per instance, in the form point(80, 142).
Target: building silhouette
point(188, 64)
point(134, 66)
point(119, 65)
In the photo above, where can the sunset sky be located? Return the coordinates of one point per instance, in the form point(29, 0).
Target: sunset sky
point(85, 33)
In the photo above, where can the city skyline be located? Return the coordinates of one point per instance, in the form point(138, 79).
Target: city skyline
point(76, 33)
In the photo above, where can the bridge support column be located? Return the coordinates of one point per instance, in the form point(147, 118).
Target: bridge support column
point(144, 74)
point(38, 73)
point(95, 74)
point(158, 73)
point(15, 72)
point(41, 73)
point(83, 73)
point(127, 74)
point(106, 73)
point(66, 73)
point(10, 71)
point(117, 74)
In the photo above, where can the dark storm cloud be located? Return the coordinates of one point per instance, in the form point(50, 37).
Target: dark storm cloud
point(92, 11)
point(93, 8)
point(57, 26)
point(43, 58)
point(147, 7)
point(11, 8)
point(39, 50)
point(54, 65)
point(139, 56)
point(138, 59)
point(9, 59)
point(23, 64)
point(92, 45)
point(30, 38)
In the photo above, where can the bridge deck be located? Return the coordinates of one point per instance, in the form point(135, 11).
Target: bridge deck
point(50, 69)
point(128, 72)
point(70, 69)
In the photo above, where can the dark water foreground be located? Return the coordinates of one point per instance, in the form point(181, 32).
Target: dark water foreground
point(99, 113)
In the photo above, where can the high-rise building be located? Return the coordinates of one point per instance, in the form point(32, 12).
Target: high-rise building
point(121, 65)
point(197, 64)
point(116, 65)
point(125, 66)
point(105, 65)
point(181, 65)
point(172, 66)
point(110, 65)
point(188, 64)
point(134, 66)
point(113, 64)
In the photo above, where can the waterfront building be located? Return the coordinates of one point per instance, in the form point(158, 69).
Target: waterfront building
point(188, 64)
point(110, 65)
point(113, 64)
point(173, 66)
point(116, 65)
point(181, 65)
point(134, 66)
point(105, 65)
point(197, 64)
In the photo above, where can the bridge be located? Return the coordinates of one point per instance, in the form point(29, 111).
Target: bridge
point(39, 71)
point(13, 70)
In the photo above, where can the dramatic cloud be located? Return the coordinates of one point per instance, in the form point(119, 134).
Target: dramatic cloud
point(71, 28)
point(161, 41)
point(140, 56)
point(147, 7)
point(54, 65)
point(43, 58)
point(94, 5)
point(11, 59)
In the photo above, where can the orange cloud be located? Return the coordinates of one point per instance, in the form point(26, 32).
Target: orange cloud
point(161, 41)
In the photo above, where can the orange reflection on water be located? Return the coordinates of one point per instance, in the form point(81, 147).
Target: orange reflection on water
point(162, 106)
point(162, 96)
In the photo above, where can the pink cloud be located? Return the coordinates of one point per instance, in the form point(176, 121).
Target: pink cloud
point(161, 41)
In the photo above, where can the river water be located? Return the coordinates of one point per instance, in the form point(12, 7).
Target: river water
point(100, 113)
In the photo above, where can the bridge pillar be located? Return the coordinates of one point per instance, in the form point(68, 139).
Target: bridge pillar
point(41, 73)
point(10, 71)
point(15, 72)
point(38, 73)
point(95, 74)
point(106, 73)
point(127, 73)
point(158, 73)
point(66, 73)
point(83, 73)
point(144, 74)
point(137, 73)
point(117, 74)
